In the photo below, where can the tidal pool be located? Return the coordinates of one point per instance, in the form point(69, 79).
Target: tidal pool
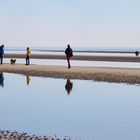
point(81, 110)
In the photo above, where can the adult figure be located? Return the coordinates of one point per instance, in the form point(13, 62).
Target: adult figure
point(136, 53)
point(69, 54)
point(1, 53)
point(28, 53)
point(68, 86)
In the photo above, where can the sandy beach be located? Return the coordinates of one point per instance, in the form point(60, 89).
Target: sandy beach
point(117, 75)
point(79, 57)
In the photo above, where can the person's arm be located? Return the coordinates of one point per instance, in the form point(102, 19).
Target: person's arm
point(66, 51)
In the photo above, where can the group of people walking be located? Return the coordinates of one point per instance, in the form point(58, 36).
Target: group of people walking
point(68, 52)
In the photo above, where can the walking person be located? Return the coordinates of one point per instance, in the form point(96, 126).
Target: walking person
point(1, 53)
point(69, 54)
point(28, 53)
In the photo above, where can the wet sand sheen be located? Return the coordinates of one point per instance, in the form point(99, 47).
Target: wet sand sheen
point(117, 75)
point(79, 57)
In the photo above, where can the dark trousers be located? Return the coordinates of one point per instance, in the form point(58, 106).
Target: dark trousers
point(27, 60)
point(1, 58)
point(68, 60)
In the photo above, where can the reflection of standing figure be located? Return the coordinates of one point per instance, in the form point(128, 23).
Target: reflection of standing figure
point(1, 53)
point(28, 79)
point(1, 80)
point(68, 86)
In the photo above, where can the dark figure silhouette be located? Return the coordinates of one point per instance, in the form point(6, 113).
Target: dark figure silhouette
point(28, 53)
point(68, 86)
point(1, 53)
point(136, 53)
point(69, 54)
point(1, 80)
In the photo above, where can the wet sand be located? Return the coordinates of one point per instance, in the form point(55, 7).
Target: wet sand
point(79, 57)
point(117, 75)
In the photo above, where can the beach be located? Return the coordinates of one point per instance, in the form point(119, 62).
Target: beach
point(111, 58)
point(105, 74)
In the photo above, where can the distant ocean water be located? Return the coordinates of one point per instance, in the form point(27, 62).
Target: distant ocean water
point(79, 49)
point(106, 51)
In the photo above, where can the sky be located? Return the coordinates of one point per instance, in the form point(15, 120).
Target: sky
point(81, 23)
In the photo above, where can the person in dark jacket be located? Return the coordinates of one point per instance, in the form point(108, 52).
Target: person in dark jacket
point(1, 53)
point(69, 54)
point(136, 53)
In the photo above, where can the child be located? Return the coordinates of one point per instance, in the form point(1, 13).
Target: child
point(28, 53)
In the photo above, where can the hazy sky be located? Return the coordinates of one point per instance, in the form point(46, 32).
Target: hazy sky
point(82, 23)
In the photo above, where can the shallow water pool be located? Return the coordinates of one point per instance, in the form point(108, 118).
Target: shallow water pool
point(81, 110)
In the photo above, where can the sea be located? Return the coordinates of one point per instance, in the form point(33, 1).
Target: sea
point(83, 50)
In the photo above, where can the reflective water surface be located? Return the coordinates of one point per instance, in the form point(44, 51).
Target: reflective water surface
point(81, 110)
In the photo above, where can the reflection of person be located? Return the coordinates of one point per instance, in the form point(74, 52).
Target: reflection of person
point(1, 53)
point(69, 54)
point(1, 80)
point(28, 79)
point(28, 53)
point(68, 86)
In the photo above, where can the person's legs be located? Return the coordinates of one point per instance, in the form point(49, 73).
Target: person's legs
point(1, 59)
point(68, 59)
point(27, 60)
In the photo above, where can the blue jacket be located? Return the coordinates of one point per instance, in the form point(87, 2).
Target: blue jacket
point(1, 50)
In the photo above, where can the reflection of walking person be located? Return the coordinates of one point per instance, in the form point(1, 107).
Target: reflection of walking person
point(1, 53)
point(28, 79)
point(68, 86)
point(69, 54)
point(28, 53)
point(1, 80)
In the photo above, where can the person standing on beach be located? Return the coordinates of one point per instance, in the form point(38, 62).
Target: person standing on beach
point(69, 54)
point(136, 53)
point(28, 53)
point(1, 53)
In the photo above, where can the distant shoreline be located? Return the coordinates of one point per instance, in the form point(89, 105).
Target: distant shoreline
point(115, 75)
point(83, 51)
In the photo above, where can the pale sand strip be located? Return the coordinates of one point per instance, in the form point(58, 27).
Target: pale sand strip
point(79, 57)
point(118, 75)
